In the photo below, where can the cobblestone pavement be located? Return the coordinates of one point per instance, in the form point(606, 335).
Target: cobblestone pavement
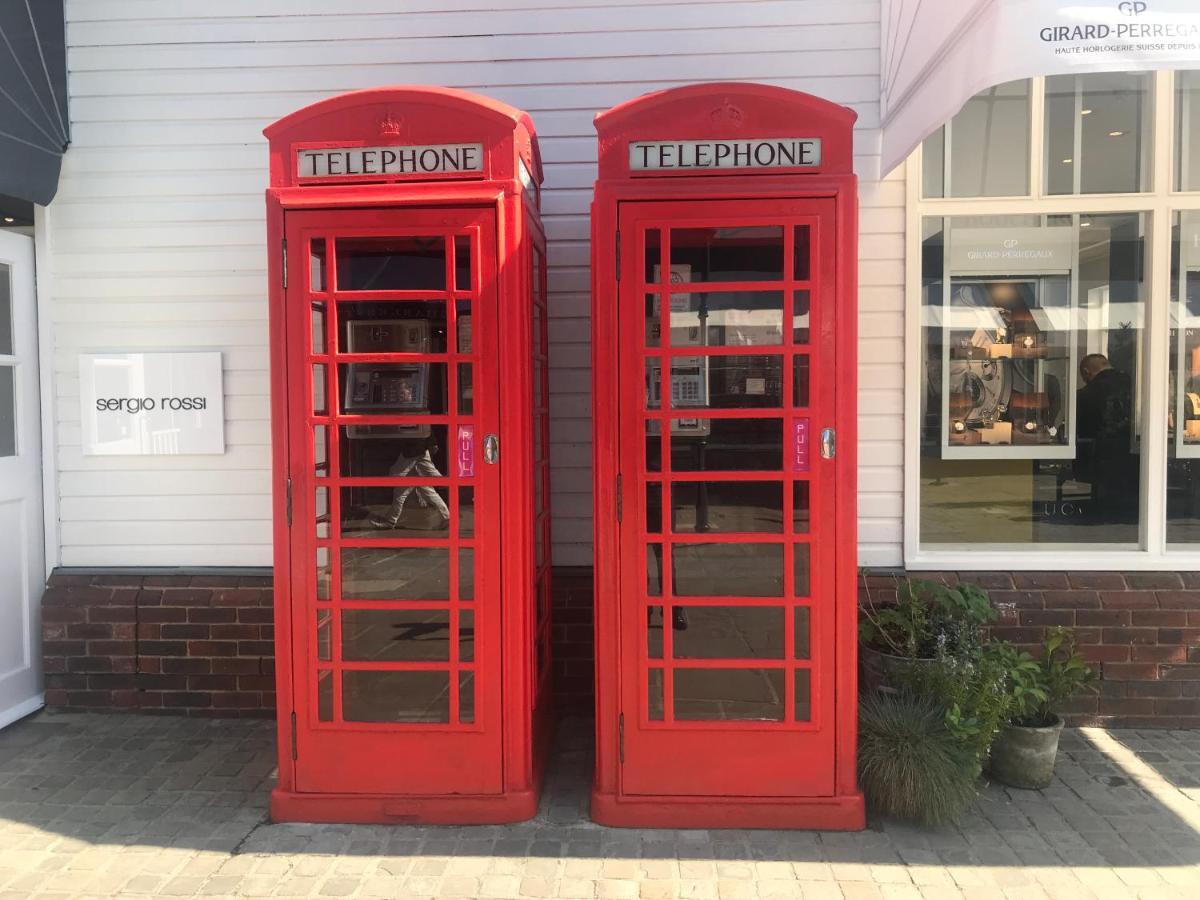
point(124, 806)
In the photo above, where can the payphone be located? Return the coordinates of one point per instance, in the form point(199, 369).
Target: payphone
point(723, 273)
point(410, 436)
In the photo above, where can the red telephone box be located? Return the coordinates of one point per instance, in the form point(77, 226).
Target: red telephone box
point(409, 415)
point(724, 253)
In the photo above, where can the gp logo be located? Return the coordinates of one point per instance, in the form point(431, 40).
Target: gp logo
point(1132, 7)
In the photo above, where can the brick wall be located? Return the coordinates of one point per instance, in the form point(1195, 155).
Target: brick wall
point(1141, 631)
point(182, 644)
point(202, 644)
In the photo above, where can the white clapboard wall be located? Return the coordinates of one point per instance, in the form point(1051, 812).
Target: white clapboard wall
point(156, 239)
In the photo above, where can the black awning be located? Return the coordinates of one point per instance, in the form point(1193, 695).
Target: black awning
point(33, 98)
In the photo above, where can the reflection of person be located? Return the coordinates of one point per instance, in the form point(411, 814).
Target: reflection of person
point(1104, 428)
point(420, 464)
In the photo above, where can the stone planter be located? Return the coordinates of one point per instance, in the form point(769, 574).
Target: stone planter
point(1023, 757)
point(879, 671)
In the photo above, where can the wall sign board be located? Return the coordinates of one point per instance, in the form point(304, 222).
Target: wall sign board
point(357, 162)
point(718, 153)
point(151, 404)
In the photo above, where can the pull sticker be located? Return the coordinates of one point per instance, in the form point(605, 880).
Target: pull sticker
point(800, 445)
point(466, 451)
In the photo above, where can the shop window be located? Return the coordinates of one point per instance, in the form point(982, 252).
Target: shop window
point(984, 150)
point(1187, 131)
point(1031, 332)
point(1098, 133)
point(1183, 418)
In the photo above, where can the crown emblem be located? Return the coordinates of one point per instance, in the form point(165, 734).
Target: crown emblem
point(727, 113)
point(390, 126)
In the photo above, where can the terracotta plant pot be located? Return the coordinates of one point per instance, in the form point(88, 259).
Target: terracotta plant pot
point(1023, 757)
point(879, 671)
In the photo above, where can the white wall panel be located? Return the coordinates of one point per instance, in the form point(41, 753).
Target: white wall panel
point(157, 234)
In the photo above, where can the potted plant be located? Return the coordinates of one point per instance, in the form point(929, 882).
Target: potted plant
point(927, 618)
point(1023, 754)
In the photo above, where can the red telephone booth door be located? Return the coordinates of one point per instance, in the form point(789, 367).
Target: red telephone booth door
point(728, 376)
point(395, 563)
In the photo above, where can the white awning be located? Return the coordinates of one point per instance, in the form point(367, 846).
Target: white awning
point(937, 54)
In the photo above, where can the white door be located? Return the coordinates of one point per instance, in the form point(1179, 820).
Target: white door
point(22, 561)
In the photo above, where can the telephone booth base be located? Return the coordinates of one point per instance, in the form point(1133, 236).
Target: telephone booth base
point(357, 809)
point(845, 813)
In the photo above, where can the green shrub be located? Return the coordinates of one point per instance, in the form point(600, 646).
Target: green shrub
point(926, 615)
point(1038, 686)
point(910, 765)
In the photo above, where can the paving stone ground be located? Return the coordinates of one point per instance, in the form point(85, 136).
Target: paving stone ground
point(138, 807)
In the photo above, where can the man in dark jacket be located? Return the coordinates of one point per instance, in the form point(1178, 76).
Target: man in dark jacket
point(1104, 436)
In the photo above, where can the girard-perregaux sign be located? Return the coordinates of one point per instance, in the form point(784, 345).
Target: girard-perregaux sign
point(733, 153)
point(350, 162)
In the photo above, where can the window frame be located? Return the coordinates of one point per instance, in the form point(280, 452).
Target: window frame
point(1159, 205)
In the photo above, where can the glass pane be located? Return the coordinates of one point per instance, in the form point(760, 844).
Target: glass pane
point(933, 165)
point(1187, 131)
point(727, 570)
point(466, 697)
point(738, 253)
point(653, 382)
point(8, 411)
point(322, 512)
point(803, 695)
point(393, 451)
point(321, 451)
point(391, 264)
point(730, 632)
point(466, 573)
point(800, 317)
point(393, 389)
point(324, 574)
point(395, 635)
point(1098, 133)
point(462, 263)
point(803, 638)
point(466, 389)
point(654, 554)
point(395, 573)
point(726, 506)
point(653, 255)
point(466, 512)
point(654, 508)
point(800, 382)
point(412, 326)
point(316, 269)
point(418, 511)
point(801, 569)
point(1032, 364)
point(653, 320)
point(654, 696)
point(466, 636)
point(727, 382)
point(989, 147)
point(800, 507)
point(395, 696)
point(725, 319)
point(654, 632)
point(730, 445)
point(324, 635)
point(324, 695)
point(465, 340)
point(318, 328)
point(723, 695)
point(1183, 422)
point(320, 391)
point(802, 253)
point(6, 313)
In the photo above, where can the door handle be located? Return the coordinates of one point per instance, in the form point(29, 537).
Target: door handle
point(491, 449)
point(828, 443)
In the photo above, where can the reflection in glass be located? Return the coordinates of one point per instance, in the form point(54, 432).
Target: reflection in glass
point(418, 511)
point(393, 389)
point(324, 695)
point(318, 328)
point(654, 632)
point(369, 696)
point(395, 635)
point(466, 389)
point(654, 696)
point(466, 697)
point(653, 320)
point(654, 508)
point(802, 570)
point(316, 271)
point(466, 573)
point(726, 506)
point(1183, 421)
point(726, 382)
point(715, 445)
point(8, 411)
point(737, 253)
point(801, 513)
point(800, 382)
point(801, 324)
point(391, 263)
point(466, 636)
point(803, 636)
point(466, 512)
point(411, 326)
point(802, 253)
point(652, 255)
point(395, 573)
point(1187, 131)
point(727, 570)
point(324, 574)
point(989, 147)
point(462, 263)
point(1030, 432)
point(654, 554)
point(803, 702)
point(321, 451)
point(321, 511)
point(723, 319)
point(393, 451)
point(464, 324)
point(320, 391)
point(324, 635)
point(730, 632)
point(1098, 133)
point(723, 695)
